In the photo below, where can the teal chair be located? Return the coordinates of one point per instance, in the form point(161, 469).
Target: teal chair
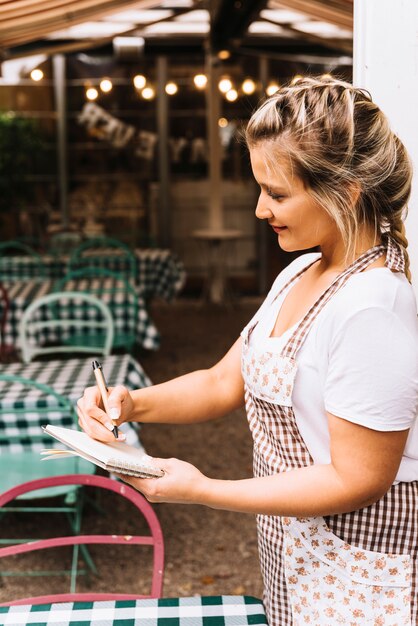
point(9, 269)
point(116, 291)
point(105, 253)
point(74, 322)
point(21, 440)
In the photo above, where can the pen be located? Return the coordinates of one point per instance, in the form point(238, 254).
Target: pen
point(101, 383)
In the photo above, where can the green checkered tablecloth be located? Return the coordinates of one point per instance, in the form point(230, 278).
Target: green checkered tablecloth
point(128, 319)
point(159, 273)
point(193, 611)
point(68, 377)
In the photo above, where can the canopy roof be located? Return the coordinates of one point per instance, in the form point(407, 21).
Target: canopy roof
point(51, 26)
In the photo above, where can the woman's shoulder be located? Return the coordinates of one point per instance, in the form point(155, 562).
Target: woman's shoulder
point(378, 291)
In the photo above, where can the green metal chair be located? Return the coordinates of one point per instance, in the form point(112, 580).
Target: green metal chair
point(21, 440)
point(63, 242)
point(74, 321)
point(106, 253)
point(116, 291)
point(10, 268)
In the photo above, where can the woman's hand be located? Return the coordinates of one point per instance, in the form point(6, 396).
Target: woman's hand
point(93, 419)
point(181, 483)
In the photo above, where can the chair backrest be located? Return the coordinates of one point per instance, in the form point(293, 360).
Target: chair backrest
point(61, 315)
point(30, 395)
point(63, 242)
point(119, 293)
point(30, 266)
point(104, 252)
point(154, 539)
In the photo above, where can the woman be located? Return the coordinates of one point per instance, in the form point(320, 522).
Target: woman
point(327, 369)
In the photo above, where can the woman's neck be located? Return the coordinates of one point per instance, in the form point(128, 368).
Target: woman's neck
point(334, 255)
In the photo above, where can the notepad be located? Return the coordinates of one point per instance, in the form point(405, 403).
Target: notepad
point(116, 457)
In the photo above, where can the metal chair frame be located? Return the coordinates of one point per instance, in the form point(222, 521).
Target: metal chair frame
point(155, 539)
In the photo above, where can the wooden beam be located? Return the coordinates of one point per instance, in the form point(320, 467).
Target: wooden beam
point(327, 42)
point(339, 13)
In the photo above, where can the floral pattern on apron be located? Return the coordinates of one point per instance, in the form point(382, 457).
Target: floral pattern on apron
point(354, 569)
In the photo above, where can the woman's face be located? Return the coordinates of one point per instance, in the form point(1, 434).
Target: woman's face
point(298, 220)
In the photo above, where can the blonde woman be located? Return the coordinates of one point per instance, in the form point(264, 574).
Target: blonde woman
point(327, 368)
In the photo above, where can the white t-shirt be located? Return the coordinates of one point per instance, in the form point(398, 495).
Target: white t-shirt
point(359, 360)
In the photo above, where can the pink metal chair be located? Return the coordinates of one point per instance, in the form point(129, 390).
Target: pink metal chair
point(155, 539)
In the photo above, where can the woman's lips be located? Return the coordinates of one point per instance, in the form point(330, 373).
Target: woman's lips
point(279, 229)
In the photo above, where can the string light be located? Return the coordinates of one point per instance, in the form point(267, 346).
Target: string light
point(272, 87)
point(37, 75)
point(148, 93)
point(295, 79)
point(171, 88)
point(106, 85)
point(139, 81)
point(223, 55)
point(248, 86)
point(92, 93)
point(225, 85)
point(231, 95)
point(222, 122)
point(200, 81)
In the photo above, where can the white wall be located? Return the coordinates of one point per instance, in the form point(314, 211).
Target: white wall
point(386, 63)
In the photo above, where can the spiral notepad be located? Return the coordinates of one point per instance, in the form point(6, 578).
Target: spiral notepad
point(116, 457)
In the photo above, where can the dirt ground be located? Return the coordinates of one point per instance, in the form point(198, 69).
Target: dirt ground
point(208, 552)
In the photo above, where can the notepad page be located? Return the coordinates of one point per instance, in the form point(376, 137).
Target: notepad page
point(103, 452)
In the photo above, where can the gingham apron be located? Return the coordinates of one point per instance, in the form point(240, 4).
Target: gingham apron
point(355, 568)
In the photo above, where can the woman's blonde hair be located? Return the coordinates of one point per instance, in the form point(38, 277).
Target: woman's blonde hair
point(341, 146)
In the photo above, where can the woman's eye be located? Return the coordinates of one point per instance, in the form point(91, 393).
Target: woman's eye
point(274, 196)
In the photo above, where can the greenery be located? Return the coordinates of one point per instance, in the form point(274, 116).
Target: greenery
point(21, 153)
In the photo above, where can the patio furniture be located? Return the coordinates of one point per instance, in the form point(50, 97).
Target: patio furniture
point(94, 252)
point(33, 262)
point(143, 509)
point(197, 611)
point(120, 294)
point(68, 378)
point(159, 273)
point(77, 321)
point(23, 293)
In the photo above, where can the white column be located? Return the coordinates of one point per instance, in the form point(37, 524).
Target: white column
point(386, 63)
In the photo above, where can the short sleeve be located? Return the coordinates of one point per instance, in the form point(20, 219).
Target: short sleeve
point(372, 376)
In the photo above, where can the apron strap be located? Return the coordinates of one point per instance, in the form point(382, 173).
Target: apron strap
point(395, 262)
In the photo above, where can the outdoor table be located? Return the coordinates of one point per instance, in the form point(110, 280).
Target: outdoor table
point(190, 611)
point(22, 293)
point(159, 273)
point(68, 377)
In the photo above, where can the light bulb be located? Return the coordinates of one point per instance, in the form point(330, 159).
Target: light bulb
point(36, 74)
point(295, 79)
point(224, 54)
point(225, 85)
point(200, 81)
point(222, 122)
point(92, 93)
point(140, 81)
point(272, 88)
point(148, 93)
point(171, 89)
point(231, 95)
point(106, 85)
point(248, 86)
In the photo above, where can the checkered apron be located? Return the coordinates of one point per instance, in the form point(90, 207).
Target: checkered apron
point(355, 568)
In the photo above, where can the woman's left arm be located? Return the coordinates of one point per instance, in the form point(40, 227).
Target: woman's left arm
point(364, 464)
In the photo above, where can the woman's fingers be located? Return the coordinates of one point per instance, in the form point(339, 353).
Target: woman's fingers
point(92, 418)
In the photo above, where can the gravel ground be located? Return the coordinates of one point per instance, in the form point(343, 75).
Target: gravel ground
point(208, 552)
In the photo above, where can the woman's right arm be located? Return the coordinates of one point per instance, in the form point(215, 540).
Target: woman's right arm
point(196, 397)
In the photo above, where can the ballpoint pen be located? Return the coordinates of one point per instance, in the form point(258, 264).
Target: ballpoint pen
point(101, 383)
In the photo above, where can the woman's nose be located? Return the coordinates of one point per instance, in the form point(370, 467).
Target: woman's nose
point(261, 210)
